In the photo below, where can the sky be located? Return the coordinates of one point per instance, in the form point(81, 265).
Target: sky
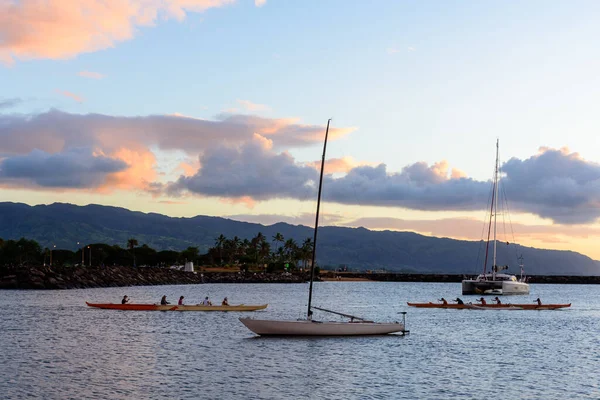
point(219, 107)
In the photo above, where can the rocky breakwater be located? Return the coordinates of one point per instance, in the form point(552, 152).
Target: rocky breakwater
point(45, 277)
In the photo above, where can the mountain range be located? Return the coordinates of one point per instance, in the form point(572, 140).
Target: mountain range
point(64, 225)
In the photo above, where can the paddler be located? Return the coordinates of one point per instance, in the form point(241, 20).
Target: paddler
point(538, 301)
point(225, 302)
point(459, 301)
point(443, 300)
point(180, 302)
point(126, 300)
point(482, 301)
point(497, 300)
point(163, 301)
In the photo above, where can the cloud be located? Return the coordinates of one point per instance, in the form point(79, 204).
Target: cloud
point(10, 103)
point(134, 140)
point(260, 3)
point(555, 184)
point(54, 130)
point(91, 75)
point(76, 168)
point(57, 29)
point(249, 106)
point(410, 48)
point(392, 50)
point(172, 202)
point(337, 165)
point(245, 158)
point(249, 170)
point(71, 95)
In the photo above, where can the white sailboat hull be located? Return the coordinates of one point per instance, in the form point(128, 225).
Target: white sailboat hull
point(480, 286)
point(317, 328)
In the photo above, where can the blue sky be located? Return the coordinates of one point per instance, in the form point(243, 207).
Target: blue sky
point(421, 82)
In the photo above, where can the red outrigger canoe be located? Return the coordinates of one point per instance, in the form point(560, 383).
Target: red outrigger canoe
point(174, 307)
point(526, 306)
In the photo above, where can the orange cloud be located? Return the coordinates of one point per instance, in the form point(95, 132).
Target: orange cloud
point(92, 75)
point(338, 165)
point(75, 97)
point(172, 202)
point(141, 170)
point(245, 200)
point(58, 29)
point(250, 106)
point(189, 168)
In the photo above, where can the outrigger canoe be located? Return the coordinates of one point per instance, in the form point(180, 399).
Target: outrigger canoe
point(174, 307)
point(526, 306)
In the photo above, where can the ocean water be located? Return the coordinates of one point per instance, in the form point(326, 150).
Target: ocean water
point(53, 346)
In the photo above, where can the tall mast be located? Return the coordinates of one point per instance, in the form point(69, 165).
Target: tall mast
point(495, 210)
point(312, 265)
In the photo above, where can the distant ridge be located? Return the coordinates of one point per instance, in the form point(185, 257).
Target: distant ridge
point(65, 224)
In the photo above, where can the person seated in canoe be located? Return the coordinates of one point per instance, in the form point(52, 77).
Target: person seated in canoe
point(538, 301)
point(206, 302)
point(125, 300)
point(180, 302)
point(497, 300)
point(225, 302)
point(459, 301)
point(163, 301)
point(443, 300)
point(482, 301)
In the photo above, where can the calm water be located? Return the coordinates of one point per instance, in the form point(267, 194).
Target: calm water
point(53, 346)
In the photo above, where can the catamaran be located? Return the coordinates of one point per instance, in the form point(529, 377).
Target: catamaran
point(495, 282)
point(310, 327)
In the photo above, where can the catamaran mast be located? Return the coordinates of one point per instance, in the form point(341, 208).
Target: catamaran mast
point(312, 265)
point(495, 211)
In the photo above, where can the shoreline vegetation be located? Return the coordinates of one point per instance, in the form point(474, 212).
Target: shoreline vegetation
point(25, 265)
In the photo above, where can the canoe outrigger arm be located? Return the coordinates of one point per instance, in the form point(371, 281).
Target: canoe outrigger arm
point(352, 317)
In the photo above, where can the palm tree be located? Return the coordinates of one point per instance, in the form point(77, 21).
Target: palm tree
point(290, 248)
point(131, 243)
point(264, 249)
point(219, 242)
point(306, 251)
point(278, 238)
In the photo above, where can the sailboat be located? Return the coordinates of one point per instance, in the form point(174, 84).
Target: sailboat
point(310, 327)
point(495, 282)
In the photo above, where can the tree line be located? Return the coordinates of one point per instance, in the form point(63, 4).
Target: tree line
point(275, 253)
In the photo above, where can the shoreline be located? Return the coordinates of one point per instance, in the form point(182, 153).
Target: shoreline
point(52, 278)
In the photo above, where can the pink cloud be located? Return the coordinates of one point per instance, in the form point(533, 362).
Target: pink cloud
point(92, 75)
point(260, 3)
point(73, 96)
point(250, 106)
point(338, 165)
point(57, 29)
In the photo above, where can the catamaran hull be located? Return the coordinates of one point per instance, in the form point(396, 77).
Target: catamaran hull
point(156, 307)
point(316, 328)
point(473, 286)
